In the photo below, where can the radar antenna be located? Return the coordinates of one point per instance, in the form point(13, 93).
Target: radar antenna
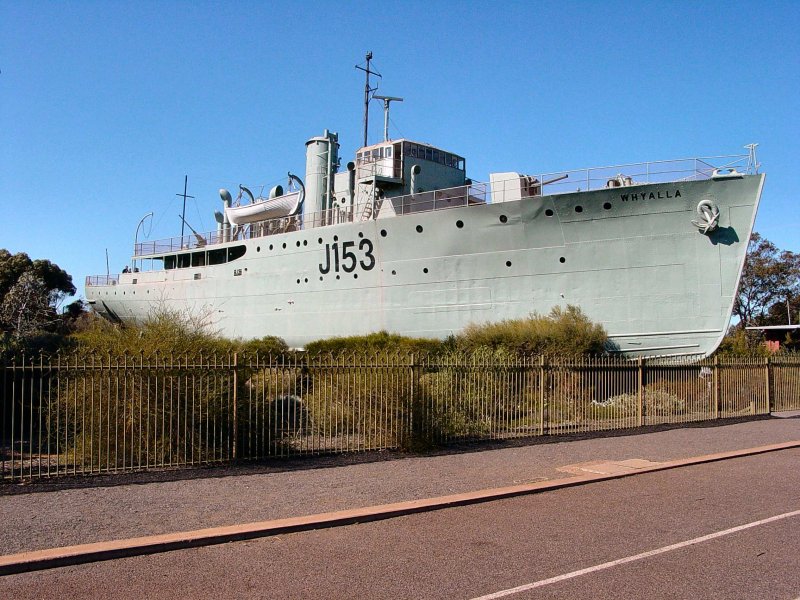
point(386, 100)
point(367, 91)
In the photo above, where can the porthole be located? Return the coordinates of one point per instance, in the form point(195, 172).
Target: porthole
point(320, 278)
point(459, 224)
point(319, 241)
point(258, 248)
point(562, 260)
point(383, 233)
point(578, 209)
point(425, 270)
point(503, 219)
point(298, 281)
point(361, 234)
point(298, 243)
point(305, 242)
point(607, 205)
point(419, 228)
point(355, 275)
point(305, 280)
point(336, 238)
point(270, 246)
point(394, 272)
point(548, 213)
point(338, 277)
point(284, 245)
point(508, 263)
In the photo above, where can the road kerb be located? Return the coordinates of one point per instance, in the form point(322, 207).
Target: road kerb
point(152, 544)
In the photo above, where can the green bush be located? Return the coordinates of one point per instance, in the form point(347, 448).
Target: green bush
point(266, 346)
point(164, 331)
point(373, 342)
point(741, 343)
point(169, 333)
point(564, 332)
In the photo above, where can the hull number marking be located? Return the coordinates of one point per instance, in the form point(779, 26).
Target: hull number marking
point(347, 259)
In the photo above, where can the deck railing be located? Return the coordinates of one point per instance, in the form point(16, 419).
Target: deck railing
point(79, 416)
point(476, 193)
point(102, 280)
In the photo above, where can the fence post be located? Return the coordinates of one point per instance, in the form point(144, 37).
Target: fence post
point(640, 395)
point(770, 397)
point(417, 419)
point(234, 453)
point(542, 413)
point(715, 399)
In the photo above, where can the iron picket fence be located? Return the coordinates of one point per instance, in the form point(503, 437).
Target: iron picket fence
point(81, 416)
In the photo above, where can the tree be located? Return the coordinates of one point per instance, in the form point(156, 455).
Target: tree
point(26, 308)
point(770, 277)
point(31, 292)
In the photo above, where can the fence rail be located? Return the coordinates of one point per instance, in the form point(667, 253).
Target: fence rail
point(72, 416)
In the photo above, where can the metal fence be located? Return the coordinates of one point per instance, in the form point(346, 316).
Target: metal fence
point(72, 416)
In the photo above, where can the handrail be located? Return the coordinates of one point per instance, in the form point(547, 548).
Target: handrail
point(92, 280)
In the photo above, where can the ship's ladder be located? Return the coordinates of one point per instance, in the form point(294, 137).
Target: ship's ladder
point(371, 209)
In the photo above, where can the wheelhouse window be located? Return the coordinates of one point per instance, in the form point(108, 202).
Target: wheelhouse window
point(432, 154)
point(217, 257)
point(235, 252)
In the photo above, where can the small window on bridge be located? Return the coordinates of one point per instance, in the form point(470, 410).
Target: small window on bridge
point(217, 257)
point(198, 259)
point(238, 252)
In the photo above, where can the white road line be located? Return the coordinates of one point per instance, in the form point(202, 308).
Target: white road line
point(627, 559)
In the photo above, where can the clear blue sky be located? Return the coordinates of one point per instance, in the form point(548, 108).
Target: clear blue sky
point(105, 106)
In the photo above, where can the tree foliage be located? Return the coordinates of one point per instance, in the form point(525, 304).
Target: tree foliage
point(26, 308)
point(770, 279)
point(31, 292)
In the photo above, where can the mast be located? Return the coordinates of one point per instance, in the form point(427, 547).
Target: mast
point(184, 195)
point(367, 91)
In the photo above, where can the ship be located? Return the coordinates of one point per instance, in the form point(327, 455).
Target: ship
point(401, 240)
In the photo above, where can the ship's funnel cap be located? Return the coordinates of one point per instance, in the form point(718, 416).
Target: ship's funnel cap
point(225, 195)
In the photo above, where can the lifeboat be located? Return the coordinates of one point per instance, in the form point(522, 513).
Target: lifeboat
point(258, 209)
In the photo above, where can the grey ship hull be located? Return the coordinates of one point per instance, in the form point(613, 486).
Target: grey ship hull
point(631, 259)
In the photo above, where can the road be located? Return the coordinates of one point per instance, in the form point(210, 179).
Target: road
point(475, 551)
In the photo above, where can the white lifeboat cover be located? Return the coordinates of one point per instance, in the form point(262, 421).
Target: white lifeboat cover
point(263, 209)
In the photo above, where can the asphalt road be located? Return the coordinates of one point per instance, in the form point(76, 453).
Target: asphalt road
point(474, 551)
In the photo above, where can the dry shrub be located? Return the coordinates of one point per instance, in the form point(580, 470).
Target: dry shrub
point(488, 393)
point(564, 332)
point(381, 341)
